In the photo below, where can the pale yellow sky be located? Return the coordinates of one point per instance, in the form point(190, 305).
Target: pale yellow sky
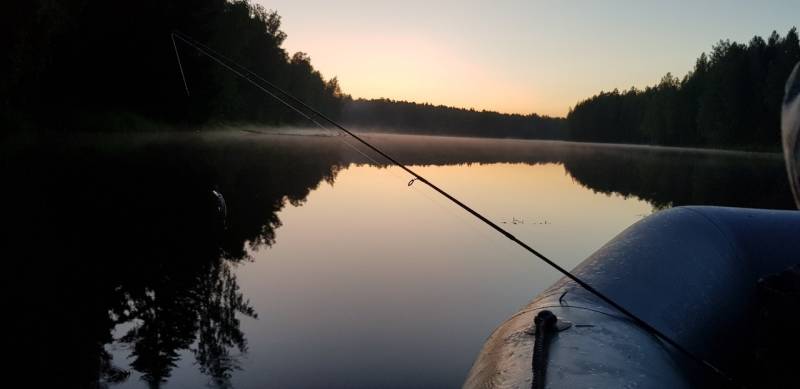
point(514, 55)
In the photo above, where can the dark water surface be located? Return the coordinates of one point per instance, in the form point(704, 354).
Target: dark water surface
point(330, 270)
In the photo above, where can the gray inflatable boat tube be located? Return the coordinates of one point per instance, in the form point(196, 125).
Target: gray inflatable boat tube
point(691, 272)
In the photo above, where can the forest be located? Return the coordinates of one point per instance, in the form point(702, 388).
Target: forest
point(731, 99)
point(74, 61)
point(107, 66)
point(415, 118)
point(98, 65)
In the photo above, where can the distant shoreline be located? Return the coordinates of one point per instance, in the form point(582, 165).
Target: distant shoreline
point(160, 129)
point(295, 131)
point(633, 146)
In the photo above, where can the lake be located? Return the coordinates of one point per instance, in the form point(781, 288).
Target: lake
point(331, 268)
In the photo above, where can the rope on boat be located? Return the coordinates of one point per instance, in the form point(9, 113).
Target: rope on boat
point(545, 327)
point(251, 77)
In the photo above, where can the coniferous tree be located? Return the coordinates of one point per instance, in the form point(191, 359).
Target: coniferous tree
point(731, 98)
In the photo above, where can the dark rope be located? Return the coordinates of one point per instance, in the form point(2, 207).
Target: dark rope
point(219, 58)
point(545, 327)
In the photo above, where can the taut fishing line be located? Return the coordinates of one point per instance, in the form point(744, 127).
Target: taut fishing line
point(287, 99)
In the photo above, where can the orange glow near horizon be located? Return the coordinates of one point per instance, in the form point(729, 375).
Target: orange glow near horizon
point(512, 56)
point(413, 68)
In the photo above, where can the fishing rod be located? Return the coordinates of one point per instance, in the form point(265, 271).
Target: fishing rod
point(285, 98)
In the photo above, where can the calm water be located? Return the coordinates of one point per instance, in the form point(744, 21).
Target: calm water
point(330, 269)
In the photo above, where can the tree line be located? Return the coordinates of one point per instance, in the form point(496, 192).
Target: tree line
point(90, 58)
point(415, 118)
point(731, 99)
point(67, 59)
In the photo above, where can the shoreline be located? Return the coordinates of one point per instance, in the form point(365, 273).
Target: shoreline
point(166, 130)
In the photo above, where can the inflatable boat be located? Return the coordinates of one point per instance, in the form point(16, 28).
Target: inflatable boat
point(691, 274)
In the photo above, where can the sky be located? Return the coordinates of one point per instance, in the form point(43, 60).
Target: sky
point(514, 56)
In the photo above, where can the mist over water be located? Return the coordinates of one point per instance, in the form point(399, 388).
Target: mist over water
point(330, 270)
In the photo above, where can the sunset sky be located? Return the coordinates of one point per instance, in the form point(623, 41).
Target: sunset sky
point(514, 56)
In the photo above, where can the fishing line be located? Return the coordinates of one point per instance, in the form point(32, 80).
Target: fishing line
point(180, 66)
point(221, 59)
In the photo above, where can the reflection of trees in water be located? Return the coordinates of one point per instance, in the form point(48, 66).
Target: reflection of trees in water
point(203, 311)
point(662, 177)
point(123, 234)
point(133, 242)
point(684, 178)
point(219, 328)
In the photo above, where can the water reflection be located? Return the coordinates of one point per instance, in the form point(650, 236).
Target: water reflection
point(125, 231)
point(663, 177)
point(116, 241)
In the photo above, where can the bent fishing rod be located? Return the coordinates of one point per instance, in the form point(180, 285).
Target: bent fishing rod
point(287, 99)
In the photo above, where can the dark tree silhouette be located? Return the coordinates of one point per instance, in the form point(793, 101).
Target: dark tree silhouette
point(414, 118)
point(72, 62)
point(731, 99)
point(91, 64)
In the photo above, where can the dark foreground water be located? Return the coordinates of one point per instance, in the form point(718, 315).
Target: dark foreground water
point(329, 270)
